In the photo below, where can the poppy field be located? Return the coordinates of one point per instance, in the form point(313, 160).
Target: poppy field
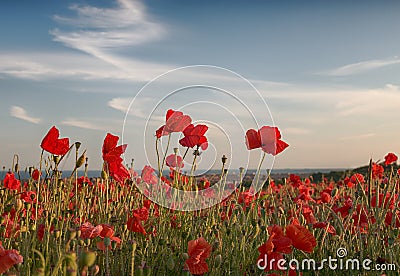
point(57, 224)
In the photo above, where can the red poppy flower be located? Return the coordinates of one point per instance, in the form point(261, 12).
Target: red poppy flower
point(107, 231)
point(198, 250)
point(29, 196)
point(112, 152)
point(148, 175)
point(51, 143)
point(194, 136)
point(301, 238)
point(377, 171)
point(118, 171)
point(174, 161)
point(267, 138)
point(35, 174)
point(324, 225)
point(356, 178)
point(88, 231)
point(390, 158)
point(8, 258)
point(135, 221)
point(175, 121)
point(112, 156)
point(10, 182)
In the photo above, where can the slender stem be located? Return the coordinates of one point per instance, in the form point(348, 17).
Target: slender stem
point(158, 158)
point(259, 168)
point(187, 150)
point(38, 188)
point(165, 155)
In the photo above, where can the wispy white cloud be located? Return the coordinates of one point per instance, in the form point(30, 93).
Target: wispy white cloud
point(20, 113)
point(43, 66)
point(100, 30)
point(84, 124)
point(361, 67)
point(373, 102)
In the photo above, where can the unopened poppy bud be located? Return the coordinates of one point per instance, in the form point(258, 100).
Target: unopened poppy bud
point(334, 192)
point(80, 160)
point(185, 256)
point(19, 205)
point(72, 234)
point(87, 258)
point(215, 245)
point(57, 234)
point(218, 260)
point(104, 175)
point(170, 263)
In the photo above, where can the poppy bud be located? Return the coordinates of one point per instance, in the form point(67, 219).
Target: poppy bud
point(19, 205)
point(104, 175)
point(57, 234)
point(80, 160)
point(87, 258)
point(334, 192)
point(170, 263)
point(215, 245)
point(72, 234)
point(218, 260)
point(185, 256)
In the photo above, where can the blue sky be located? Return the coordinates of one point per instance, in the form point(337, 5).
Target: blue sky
point(328, 72)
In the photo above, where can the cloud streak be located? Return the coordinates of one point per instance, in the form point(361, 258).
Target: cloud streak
point(20, 113)
point(84, 124)
point(100, 30)
point(361, 67)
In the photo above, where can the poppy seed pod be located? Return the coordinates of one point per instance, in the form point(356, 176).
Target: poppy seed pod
point(77, 145)
point(224, 158)
point(107, 241)
point(87, 258)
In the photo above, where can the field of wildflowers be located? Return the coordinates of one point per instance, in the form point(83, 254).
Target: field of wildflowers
point(56, 224)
